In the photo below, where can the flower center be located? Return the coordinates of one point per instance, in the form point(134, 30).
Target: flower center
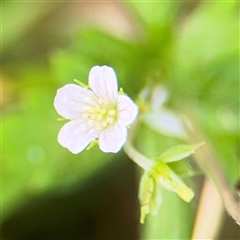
point(102, 115)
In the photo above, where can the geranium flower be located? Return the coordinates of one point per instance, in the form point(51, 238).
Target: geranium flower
point(100, 112)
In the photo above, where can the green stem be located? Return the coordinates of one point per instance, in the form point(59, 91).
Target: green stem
point(133, 154)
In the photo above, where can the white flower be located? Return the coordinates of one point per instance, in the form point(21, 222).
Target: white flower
point(99, 113)
point(161, 119)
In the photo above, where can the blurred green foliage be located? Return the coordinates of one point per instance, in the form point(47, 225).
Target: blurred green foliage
point(194, 53)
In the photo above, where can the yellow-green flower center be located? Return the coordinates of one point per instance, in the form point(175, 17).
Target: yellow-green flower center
point(102, 115)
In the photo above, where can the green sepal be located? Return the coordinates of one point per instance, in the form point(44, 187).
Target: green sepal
point(160, 169)
point(145, 193)
point(167, 178)
point(92, 144)
point(81, 83)
point(156, 199)
point(62, 119)
point(164, 173)
point(149, 195)
point(177, 185)
point(179, 152)
point(183, 168)
point(121, 92)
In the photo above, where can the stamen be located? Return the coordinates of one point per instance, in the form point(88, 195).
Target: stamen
point(100, 113)
point(98, 126)
point(90, 122)
point(100, 101)
point(111, 112)
point(105, 102)
point(98, 108)
point(94, 115)
point(104, 124)
point(99, 117)
point(90, 109)
point(84, 115)
point(103, 111)
point(109, 120)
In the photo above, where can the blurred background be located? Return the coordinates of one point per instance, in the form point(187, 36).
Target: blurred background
point(191, 48)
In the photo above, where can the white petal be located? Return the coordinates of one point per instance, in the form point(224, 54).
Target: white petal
point(113, 138)
point(127, 110)
point(71, 100)
point(159, 97)
point(76, 135)
point(166, 122)
point(103, 82)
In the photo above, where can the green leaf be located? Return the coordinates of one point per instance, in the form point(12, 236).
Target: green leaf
point(179, 152)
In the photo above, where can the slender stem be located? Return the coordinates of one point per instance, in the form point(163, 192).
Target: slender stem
point(133, 154)
point(209, 214)
point(207, 160)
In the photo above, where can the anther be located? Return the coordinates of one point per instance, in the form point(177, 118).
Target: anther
point(109, 120)
point(93, 116)
point(84, 115)
point(111, 112)
point(99, 117)
point(90, 109)
point(98, 126)
point(103, 111)
point(98, 108)
point(103, 123)
point(90, 122)
point(100, 101)
point(105, 102)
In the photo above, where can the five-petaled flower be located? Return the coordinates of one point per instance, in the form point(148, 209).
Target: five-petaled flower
point(100, 112)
